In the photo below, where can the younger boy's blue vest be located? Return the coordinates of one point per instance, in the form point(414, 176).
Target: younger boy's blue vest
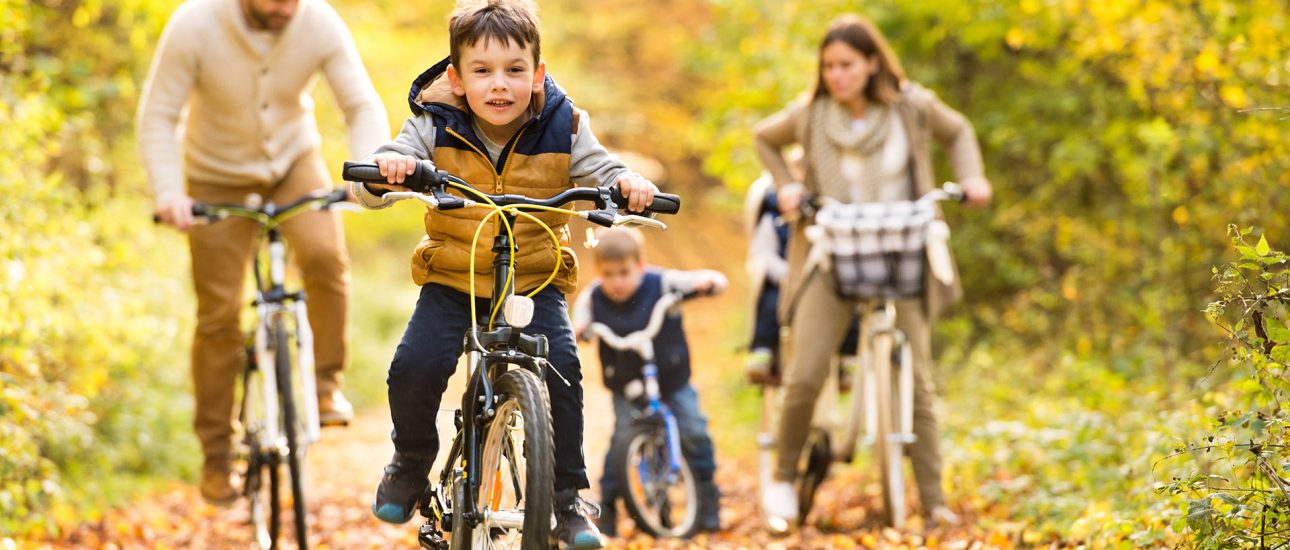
point(671, 352)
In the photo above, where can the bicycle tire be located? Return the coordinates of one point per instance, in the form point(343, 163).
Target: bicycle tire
point(644, 452)
point(295, 451)
point(888, 452)
point(517, 467)
point(813, 468)
point(262, 498)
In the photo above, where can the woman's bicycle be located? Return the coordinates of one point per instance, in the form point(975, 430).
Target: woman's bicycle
point(495, 489)
point(877, 252)
point(278, 413)
point(660, 490)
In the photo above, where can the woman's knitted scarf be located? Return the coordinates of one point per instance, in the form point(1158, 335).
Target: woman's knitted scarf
point(831, 135)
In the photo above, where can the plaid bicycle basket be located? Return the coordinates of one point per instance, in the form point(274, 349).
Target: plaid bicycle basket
point(874, 250)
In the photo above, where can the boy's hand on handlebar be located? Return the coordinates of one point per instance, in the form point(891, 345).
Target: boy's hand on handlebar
point(978, 191)
point(395, 168)
point(177, 212)
point(638, 191)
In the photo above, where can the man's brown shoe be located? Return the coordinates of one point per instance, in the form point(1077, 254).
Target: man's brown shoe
point(334, 409)
point(217, 483)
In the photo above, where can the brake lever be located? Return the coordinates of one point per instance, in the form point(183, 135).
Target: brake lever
point(633, 220)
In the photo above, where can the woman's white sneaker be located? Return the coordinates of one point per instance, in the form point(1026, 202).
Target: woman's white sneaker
point(779, 501)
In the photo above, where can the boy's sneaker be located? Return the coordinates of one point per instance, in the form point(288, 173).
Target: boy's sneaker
point(709, 507)
point(757, 365)
point(573, 530)
point(401, 487)
point(608, 520)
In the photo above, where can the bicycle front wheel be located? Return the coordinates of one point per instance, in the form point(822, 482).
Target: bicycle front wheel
point(259, 467)
point(663, 502)
point(517, 467)
point(889, 450)
point(292, 430)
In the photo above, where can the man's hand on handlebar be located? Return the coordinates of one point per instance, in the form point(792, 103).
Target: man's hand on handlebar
point(638, 191)
point(177, 211)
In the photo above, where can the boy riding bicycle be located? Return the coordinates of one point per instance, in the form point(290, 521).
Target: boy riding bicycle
point(490, 114)
point(622, 298)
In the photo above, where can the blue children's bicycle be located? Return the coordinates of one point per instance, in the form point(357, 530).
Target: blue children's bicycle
point(659, 487)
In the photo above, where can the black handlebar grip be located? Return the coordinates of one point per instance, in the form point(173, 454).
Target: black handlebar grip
point(362, 172)
point(664, 203)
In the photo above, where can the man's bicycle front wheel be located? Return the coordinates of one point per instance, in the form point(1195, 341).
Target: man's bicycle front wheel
point(292, 429)
point(517, 467)
point(259, 466)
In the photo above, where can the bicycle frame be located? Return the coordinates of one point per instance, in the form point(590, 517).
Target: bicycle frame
point(490, 354)
point(272, 302)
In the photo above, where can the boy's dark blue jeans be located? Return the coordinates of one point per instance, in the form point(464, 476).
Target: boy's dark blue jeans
point(696, 444)
point(427, 357)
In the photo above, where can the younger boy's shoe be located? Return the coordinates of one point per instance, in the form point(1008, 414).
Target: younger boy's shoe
point(607, 523)
point(709, 507)
point(217, 482)
point(401, 488)
point(334, 409)
point(573, 529)
point(757, 365)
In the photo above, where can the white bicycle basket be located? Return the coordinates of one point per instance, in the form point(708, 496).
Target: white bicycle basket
point(874, 250)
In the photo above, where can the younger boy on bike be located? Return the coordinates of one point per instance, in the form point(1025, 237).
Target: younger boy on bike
point(623, 298)
point(491, 115)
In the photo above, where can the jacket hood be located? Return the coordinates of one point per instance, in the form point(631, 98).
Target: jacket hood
point(432, 92)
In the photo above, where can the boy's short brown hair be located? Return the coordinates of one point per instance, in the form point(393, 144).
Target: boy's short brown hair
point(513, 21)
point(617, 244)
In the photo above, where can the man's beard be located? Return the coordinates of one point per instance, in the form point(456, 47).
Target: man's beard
point(266, 21)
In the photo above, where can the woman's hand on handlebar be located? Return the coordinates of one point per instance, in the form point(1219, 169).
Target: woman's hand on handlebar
point(789, 198)
point(177, 211)
point(638, 191)
point(395, 167)
point(978, 191)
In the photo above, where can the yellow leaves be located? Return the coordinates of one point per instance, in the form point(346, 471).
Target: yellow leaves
point(1180, 215)
point(1207, 63)
point(1015, 38)
point(1262, 248)
point(1234, 96)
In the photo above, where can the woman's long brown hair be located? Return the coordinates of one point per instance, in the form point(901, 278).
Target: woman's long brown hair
point(863, 36)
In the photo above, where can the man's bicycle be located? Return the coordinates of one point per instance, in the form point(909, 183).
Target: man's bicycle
point(876, 252)
point(278, 413)
point(495, 489)
point(659, 487)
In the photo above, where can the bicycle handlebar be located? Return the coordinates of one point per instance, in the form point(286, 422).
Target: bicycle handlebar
point(267, 212)
point(949, 191)
point(427, 181)
point(641, 341)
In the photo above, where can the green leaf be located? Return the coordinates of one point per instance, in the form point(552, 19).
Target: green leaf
point(1262, 248)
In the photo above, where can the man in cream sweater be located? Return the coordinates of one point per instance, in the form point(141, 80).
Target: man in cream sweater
point(226, 112)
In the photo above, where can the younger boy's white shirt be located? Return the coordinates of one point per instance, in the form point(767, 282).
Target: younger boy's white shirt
point(590, 164)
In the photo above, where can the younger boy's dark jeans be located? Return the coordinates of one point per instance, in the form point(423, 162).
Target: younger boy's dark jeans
point(427, 357)
point(696, 444)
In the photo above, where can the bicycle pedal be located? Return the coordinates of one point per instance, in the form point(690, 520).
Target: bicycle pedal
point(430, 538)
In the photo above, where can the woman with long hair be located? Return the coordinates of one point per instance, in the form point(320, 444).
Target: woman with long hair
point(865, 134)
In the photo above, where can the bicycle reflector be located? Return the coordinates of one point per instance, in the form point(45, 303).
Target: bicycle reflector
point(518, 310)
